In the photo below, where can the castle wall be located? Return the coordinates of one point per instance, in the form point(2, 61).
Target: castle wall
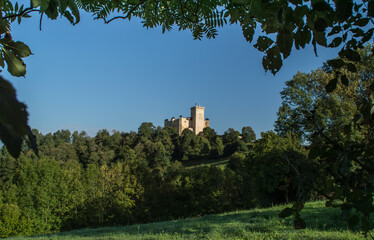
point(206, 123)
point(196, 123)
point(183, 124)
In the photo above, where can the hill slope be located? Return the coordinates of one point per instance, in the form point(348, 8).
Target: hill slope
point(323, 223)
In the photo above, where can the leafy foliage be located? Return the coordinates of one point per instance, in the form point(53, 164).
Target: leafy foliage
point(294, 23)
point(111, 179)
point(338, 126)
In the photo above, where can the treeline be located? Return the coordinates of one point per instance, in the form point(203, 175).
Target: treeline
point(123, 178)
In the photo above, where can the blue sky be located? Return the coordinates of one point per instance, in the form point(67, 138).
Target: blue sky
point(115, 76)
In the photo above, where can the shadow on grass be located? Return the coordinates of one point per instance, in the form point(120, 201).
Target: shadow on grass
point(236, 224)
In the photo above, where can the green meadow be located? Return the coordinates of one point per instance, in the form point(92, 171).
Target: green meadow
point(322, 223)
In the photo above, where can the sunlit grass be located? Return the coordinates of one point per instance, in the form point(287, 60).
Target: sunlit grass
point(322, 223)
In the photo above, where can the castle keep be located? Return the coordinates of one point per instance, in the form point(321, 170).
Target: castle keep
point(196, 123)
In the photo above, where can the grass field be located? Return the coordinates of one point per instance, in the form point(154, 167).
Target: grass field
point(323, 223)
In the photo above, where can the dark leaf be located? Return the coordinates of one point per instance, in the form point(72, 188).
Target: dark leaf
point(248, 32)
point(273, 60)
point(299, 13)
point(52, 10)
point(344, 9)
point(346, 26)
point(296, 2)
point(320, 38)
point(302, 37)
point(336, 42)
point(321, 6)
point(284, 42)
point(351, 67)
point(336, 63)
point(286, 212)
point(344, 80)
point(334, 30)
point(367, 36)
point(74, 9)
point(352, 44)
point(13, 119)
point(331, 85)
point(320, 25)
point(371, 8)
point(358, 32)
point(362, 22)
point(68, 16)
point(263, 43)
point(350, 55)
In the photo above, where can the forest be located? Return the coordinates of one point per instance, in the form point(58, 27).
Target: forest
point(322, 148)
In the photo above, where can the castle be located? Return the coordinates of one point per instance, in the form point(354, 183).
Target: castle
point(196, 123)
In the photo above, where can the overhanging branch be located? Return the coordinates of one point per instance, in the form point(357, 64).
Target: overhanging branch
point(128, 13)
point(25, 11)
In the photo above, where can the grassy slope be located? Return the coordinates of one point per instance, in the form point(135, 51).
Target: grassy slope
point(212, 162)
point(323, 223)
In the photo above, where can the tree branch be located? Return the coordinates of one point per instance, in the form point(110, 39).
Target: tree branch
point(128, 13)
point(40, 22)
point(319, 131)
point(25, 11)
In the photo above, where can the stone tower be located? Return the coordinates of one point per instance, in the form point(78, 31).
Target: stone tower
point(198, 121)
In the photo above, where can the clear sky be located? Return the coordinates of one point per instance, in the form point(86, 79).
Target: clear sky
point(115, 76)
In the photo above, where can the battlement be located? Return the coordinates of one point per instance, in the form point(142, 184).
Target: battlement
point(196, 123)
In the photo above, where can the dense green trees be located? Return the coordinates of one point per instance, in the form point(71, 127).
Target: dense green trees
point(122, 178)
point(112, 179)
point(248, 135)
